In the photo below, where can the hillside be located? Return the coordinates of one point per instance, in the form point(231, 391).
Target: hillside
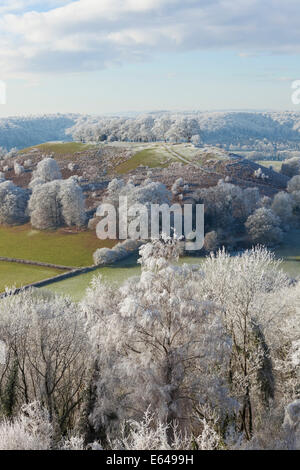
point(96, 165)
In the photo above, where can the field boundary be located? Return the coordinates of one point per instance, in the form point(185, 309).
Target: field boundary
point(51, 280)
point(36, 263)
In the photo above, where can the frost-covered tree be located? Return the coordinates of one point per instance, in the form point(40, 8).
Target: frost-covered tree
point(259, 174)
point(249, 289)
point(282, 206)
point(46, 355)
point(13, 204)
point(164, 347)
point(186, 128)
point(45, 206)
point(12, 153)
point(31, 430)
point(18, 169)
point(57, 203)
point(72, 203)
point(153, 434)
point(200, 356)
point(161, 128)
point(263, 226)
point(3, 152)
point(196, 140)
point(227, 205)
point(47, 170)
point(211, 242)
point(149, 192)
point(120, 251)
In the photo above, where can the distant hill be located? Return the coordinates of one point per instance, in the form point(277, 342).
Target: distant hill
point(21, 132)
point(244, 127)
point(268, 133)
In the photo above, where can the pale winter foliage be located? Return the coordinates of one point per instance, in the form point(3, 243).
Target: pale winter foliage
point(227, 207)
point(263, 226)
point(120, 251)
point(149, 192)
point(57, 203)
point(145, 194)
point(47, 170)
point(211, 241)
point(31, 430)
point(186, 356)
point(282, 206)
point(265, 133)
point(247, 289)
point(162, 338)
point(13, 204)
point(148, 434)
point(46, 355)
point(19, 169)
point(259, 174)
point(294, 184)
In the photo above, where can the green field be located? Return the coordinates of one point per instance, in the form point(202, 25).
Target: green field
point(75, 287)
point(18, 275)
point(61, 149)
point(289, 251)
point(59, 247)
point(118, 273)
point(152, 157)
point(267, 163)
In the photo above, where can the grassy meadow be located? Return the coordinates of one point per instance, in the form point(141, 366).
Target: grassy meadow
point(18, 275)
point(63, 247)
point(61, 149)
point(152, 157)
point(118, 273)
point(289, 252)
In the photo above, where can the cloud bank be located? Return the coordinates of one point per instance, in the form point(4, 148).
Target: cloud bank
point(62, 36)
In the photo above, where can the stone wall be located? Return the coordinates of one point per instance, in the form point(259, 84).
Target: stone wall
point(36, 263)
point(52, 280)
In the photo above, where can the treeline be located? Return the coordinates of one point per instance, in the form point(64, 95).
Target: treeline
point(264, 133)
point(268, 133)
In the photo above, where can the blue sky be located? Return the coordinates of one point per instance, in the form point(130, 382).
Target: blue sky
point(102, 56)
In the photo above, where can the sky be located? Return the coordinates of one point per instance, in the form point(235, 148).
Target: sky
point(110, 56)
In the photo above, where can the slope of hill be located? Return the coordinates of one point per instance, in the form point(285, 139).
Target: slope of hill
point(96, 165)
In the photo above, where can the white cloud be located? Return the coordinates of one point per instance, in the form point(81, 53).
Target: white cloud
point(92, 34)
point(12, 6)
